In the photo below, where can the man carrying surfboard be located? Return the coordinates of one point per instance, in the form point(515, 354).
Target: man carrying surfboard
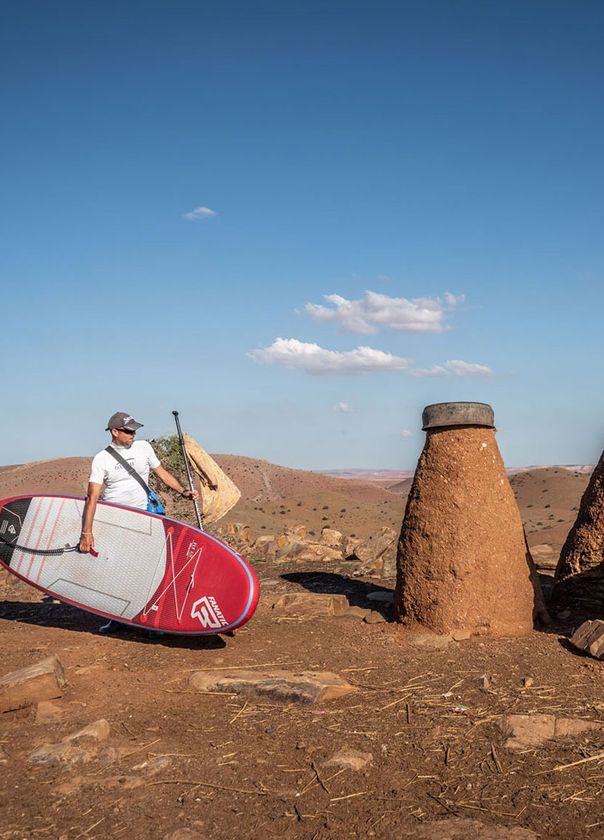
point(121, 477)
point(120, 474)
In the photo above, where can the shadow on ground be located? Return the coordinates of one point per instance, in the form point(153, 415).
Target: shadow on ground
point(331, 583)
point(47, 613)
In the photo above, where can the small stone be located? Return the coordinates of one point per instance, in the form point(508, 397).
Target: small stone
point(461, 635)
point(431, 640)
point(310, 603)
point(382, 596)
point(590, 638)
point(79, 748)
point(544, 556)
point(349, 759)
point(154, 765)
point(3, 755)
point(528, 731)
point(527, 682)
point(484, 682)
point(42, 681)
point(374, 617)
point(279, 686)
point(355, 612)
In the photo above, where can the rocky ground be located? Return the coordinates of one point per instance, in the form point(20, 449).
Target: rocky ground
point(342, 724)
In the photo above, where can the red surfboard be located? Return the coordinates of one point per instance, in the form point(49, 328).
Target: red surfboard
point(149, 571)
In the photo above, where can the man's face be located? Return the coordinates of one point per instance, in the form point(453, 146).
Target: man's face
point(123, 437)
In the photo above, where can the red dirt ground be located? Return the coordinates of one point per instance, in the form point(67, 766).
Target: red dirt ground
point(256, 769)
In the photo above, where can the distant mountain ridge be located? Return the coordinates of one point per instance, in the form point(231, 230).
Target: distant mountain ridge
point(401, 475)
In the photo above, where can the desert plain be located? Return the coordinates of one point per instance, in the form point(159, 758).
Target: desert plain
point(424, 736)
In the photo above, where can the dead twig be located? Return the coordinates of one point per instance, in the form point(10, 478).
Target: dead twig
point(209, 785)
point(496, 759)
point(572, 764)
point(319, 779)
point(88, 830)
point(349, 796)
point(444, 804)
point(240, 712)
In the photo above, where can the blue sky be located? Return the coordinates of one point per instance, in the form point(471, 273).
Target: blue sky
point(423, 179)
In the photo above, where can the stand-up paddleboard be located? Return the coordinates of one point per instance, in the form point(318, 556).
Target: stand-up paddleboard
point(149, 571)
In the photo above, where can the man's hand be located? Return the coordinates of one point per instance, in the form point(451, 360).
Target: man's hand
point(86, 542)
point(190, 494)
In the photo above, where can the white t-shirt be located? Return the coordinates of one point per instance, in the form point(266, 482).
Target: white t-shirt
point(120, 487)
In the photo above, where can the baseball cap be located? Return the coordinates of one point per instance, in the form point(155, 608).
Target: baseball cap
point(121, 420)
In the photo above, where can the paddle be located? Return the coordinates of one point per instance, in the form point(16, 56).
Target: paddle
point(188, 469)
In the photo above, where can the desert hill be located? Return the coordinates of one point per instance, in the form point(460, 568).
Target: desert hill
point(275, 497)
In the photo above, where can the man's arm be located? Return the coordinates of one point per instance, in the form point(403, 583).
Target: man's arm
point(92, 496)
point(174, 484)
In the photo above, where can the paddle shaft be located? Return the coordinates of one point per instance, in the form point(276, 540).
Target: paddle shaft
point(188, 469)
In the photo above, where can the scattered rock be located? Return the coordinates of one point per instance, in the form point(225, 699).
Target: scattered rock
point(240, 533)
point(378, 554)
point(47, 712)
point(310, 603)
point(382, 596)
point(42, 681)
point(526, 731)
point(430, 640)
point(154, 765)
point(355, 612)
point(3, 755)
point(374, 617)
point(460, 828)
point(484, 682)
point(280, 686)
point(590, 638)
point(527, 682)
point(544, 556)
point(297, 531)
point(265, 546)
point(302, 551)
point(79, 748)
point(331, 537)
point(349, 759)
point(461, 635)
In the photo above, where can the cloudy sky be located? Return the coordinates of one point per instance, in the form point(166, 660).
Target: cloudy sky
point(300, 223)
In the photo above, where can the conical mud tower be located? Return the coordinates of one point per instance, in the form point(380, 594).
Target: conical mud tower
point(580, 573)
point(463, 563)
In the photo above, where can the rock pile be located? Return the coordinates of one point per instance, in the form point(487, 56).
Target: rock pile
point(463, 562)
point(375, 556)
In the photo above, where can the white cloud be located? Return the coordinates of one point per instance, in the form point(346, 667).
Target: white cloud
point(405, 433)
point(317, 360)
point(343, 408)
point(314, 359)
point(375, 312)
point(200, 213)
point(454, 367)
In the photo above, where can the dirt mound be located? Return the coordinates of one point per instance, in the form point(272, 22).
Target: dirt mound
point(462, 560)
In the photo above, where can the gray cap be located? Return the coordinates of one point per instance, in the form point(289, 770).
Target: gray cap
point(121, 420)
point(441, 415)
